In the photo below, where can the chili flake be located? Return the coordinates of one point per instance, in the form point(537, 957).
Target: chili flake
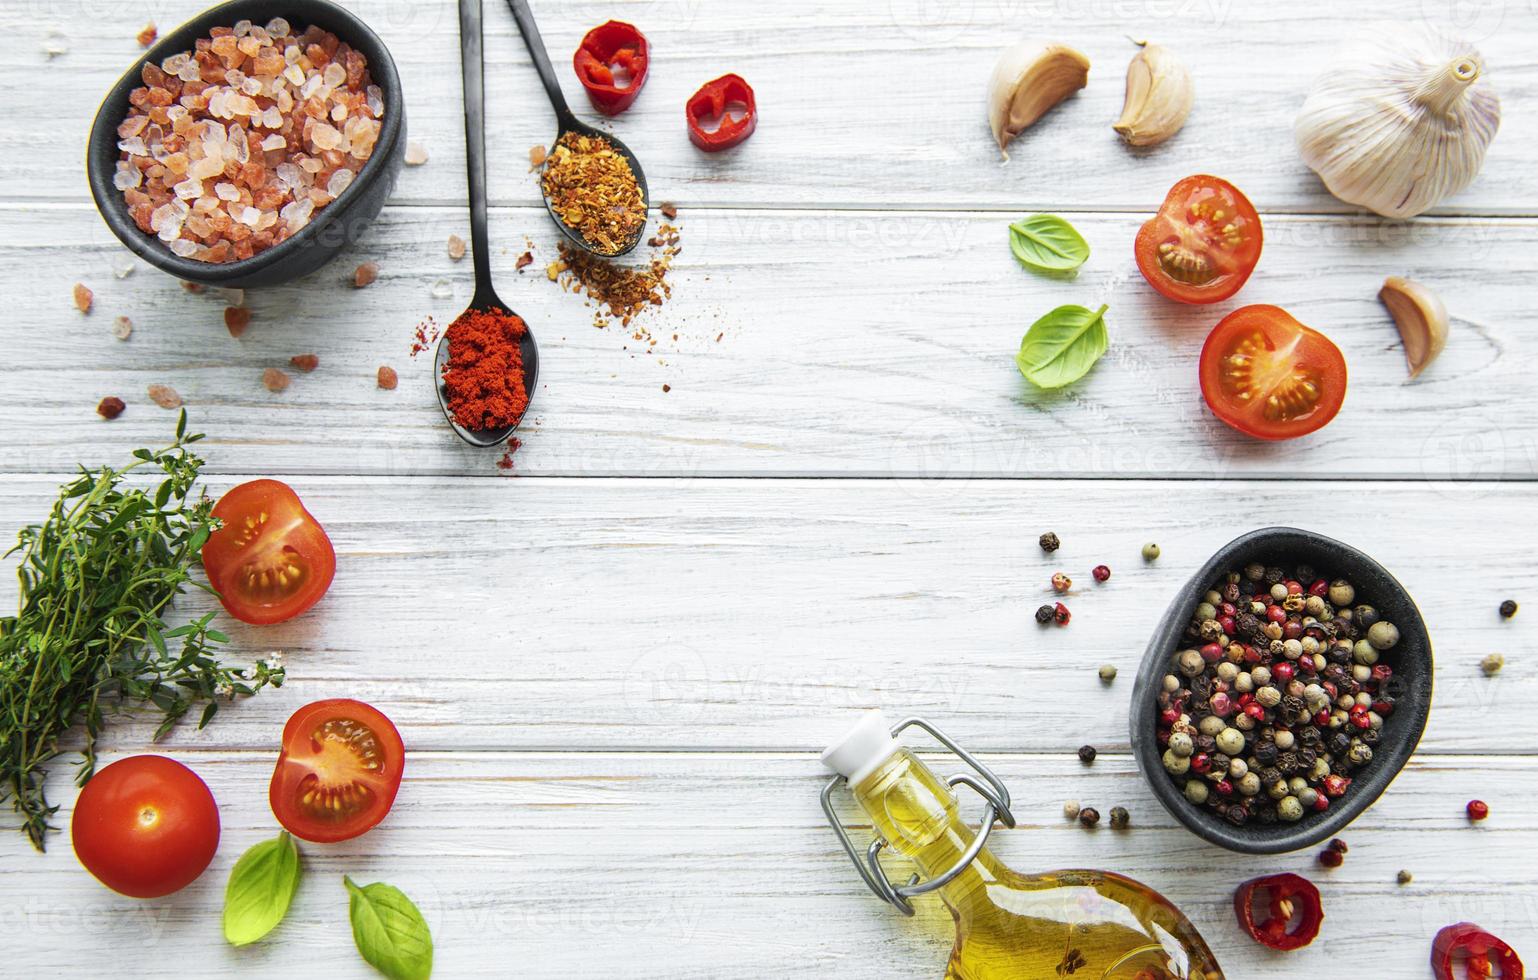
point(592, 189)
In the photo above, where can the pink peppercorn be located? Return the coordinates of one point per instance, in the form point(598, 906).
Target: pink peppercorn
point(1478, 810)
point(1102, 573)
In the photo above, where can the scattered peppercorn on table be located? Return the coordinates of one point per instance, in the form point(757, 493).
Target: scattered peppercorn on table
point(810, 483)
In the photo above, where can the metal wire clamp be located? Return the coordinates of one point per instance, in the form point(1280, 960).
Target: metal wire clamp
point(996, 808)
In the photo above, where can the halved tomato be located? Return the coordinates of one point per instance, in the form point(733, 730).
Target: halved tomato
point(271, 560)
point(1203, 244)
point(1269, 376)
point(338, 772)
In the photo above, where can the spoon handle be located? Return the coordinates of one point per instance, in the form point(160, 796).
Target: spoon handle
point(531, 40)
point(470, 54)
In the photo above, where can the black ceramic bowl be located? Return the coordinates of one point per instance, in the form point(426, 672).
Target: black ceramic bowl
point(1411, 660)
point(334, 226)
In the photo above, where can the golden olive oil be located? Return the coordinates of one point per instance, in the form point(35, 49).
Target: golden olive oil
point(1088, 925)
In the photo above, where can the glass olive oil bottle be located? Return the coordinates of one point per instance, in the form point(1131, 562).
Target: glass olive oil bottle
point(1088, 925)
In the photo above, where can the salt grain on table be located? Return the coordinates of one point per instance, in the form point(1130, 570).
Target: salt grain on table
point(274, 379)
point(387, 378)
point(416, 153)
point(236, 320)
point(305, 362)
point(122, 328)
point(165, 396)
point(147, 36)
point(442, 289)
point(83, 297)
point(456, 247)
point(231, 148)
point(364, 274)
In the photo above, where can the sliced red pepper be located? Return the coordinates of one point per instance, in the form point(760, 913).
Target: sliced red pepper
point(612, 43)
point(1483, 952)
point(1284, 895)
point(715, 100)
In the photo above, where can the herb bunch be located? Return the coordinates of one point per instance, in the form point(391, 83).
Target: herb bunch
point(97, 578)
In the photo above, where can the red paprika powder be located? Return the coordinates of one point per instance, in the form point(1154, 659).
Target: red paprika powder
point(483, 380)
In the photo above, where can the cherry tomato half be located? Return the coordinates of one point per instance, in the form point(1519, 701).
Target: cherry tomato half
point(145, 826)
point(338, 772)
point(1203, 244)
point(271, 560)
point(1269, 376)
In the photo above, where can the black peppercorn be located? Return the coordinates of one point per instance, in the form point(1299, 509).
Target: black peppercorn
point(1231, 592)
point(1254, 571)
point(1266, 753)
point(1306, 574)
point(1086, 754)
point(1339, 742)
point(1206, 743)
point(1238, 815)
point(1049, 542)
point(1308, 756)
point(1044, 614)
point(1270, 776)
point(1220, 761)
point(1266, 815)
point(1339, 845)
point(1364, 617)
point(1370, 737)
point(1288, 763)
point(1508, 608)
point(1311, 736)
point(1274, 576)
point(1120, 818)
point(1089, 816)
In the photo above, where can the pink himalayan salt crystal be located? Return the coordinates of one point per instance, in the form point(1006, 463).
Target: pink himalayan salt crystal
point(274, 379)
point(387, 378)
point(165, 396)
point(365, 274)
point(209, 130)
point(83, 297)
point(456, 247)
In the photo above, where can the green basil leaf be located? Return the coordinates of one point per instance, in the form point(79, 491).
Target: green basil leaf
point(1047, 243)
point(261, 887)
point(1062, 346)
point(389, 931)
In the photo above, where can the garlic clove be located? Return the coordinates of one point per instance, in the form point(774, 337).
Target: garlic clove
point(1400, 125)
point(1159, 97)
point(1421, 318)
point(1028, 79)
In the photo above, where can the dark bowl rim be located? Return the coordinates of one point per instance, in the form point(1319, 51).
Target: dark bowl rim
point(1409, 725)
point(109, 200)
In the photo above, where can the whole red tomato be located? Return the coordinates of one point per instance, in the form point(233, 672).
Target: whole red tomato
point(271, 560)
point(145, 826)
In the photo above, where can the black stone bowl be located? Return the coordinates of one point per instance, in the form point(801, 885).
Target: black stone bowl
point(1411, 660)
point(334, 226)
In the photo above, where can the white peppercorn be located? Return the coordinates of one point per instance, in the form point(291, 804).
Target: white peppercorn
point(1285, 740)
point(1150, 551)
point(1314, 607)
point(1492, 664)
point(1364, 653)
point(1181, 744)
point(1206, 611)
point(1211, 725)
point(1190, 662)
point(1231, 741)
point(1308, 796)
point(1290, 809)
point(1244, 684)
point(1383, 635)
point(1177, 765)
point(1244, 723)
point(1341, 593)
point(1297, 784)
point(1359, 754)
point(1197, 791)
point(1260, 675)
point(1249, 784)
point(1171, 683)
point(1361, 673)
point(1071, 810)
point(1237, 767)
point(1107, 673)
point(1268, 696)
point(1278, 789)
point(1227, 671)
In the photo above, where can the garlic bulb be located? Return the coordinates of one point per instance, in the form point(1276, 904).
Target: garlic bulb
point(1159, 97)
point(1401, 126)
point(1028, 79)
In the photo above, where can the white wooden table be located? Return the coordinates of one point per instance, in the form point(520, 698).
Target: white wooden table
point(614, 670)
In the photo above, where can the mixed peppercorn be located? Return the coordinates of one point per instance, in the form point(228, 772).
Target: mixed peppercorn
point(1280, 697)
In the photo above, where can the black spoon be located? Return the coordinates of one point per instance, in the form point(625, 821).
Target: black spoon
point(485, 298)
point(567, 122)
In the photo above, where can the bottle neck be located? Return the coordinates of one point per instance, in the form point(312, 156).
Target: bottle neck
point(918, 816)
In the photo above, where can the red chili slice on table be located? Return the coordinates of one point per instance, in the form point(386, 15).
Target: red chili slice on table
point(338, 772)
point(609, 45)
point(729, 99)
point(1292, 912)
point(1479, 951)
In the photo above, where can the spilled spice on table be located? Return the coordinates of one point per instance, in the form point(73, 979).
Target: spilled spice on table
point(424, 335)
point(483, 380)
point(619, 291)
point(513, 445)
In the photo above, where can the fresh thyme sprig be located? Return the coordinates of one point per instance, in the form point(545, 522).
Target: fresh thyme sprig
point(97, 578)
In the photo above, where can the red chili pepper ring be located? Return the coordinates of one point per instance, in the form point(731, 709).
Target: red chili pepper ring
point(715, 100)
point(612, 43)
point(1285, 896)
point(1481, 950)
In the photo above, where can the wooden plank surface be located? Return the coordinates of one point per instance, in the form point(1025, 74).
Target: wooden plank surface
point(615, 671)
point(867, 105)
point(807, 343)
point(759, 614)
point(704, 866)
